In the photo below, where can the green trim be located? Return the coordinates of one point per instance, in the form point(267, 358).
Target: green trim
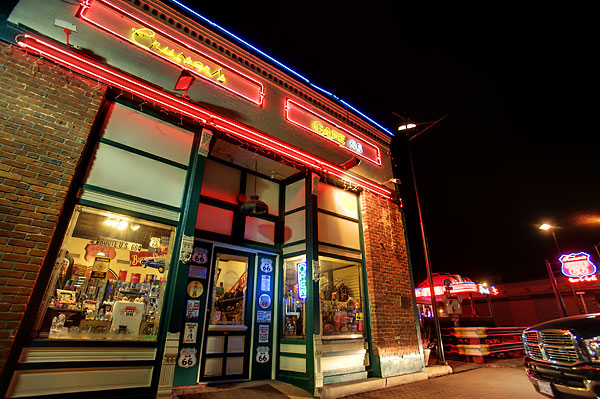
point(292, 254)
point(83, 364)
point(358, 251)
point(300, 355)
point(374, 368)
point(172, 312)
point(341, 257)
point(142, 153)
point(293, 243)
point(330, 213)
point(302, 208)
point(300, 380)
point(313, 324)
point(130, 197)
point(293, 341)
point(111, 208)
point(50, 343)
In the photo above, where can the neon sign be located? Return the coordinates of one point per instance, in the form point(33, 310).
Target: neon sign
point(317, 124)
point(301, 270)
point(144, 35)
point(456, 288)
point(577, 265)
point(108, 75)
point(582, 279)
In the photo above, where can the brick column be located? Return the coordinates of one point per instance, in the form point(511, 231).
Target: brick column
point(393, 325)
point(46, 113)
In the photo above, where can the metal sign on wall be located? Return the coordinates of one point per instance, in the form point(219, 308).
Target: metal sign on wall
point(321, 126)
point(151, 38)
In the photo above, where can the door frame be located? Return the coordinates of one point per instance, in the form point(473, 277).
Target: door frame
point(248, 312)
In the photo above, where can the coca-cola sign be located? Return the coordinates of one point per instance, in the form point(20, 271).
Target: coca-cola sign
point(577, 265)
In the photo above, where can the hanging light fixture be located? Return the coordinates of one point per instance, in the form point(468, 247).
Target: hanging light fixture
point(254, 206)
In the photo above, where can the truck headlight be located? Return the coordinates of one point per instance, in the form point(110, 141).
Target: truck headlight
point(593, 348)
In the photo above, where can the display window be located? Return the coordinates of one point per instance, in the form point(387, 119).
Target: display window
point(229, 290)
point(108, 280)
point(294, 297)
point(341, 298)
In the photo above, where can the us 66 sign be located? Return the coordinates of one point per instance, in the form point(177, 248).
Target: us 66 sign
point(577, 265)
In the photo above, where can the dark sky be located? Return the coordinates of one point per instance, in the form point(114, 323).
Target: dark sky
point(518, 83)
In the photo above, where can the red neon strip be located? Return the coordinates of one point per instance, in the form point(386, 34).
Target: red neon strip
point(93, 68)
point(86, 6)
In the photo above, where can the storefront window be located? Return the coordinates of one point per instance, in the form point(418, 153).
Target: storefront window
point(294, 297)
point(342, 303)
point(108, 280)
point(229, 290)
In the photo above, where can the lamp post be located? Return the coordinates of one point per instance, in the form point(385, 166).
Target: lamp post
point(559, 300)
point(405, 128)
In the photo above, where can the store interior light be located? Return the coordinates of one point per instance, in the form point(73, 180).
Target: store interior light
point(545, 226)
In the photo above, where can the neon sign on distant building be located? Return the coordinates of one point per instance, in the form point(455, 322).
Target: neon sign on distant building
point(150, 37)
point(301, 270)
point(577, 265)
point(314, 123)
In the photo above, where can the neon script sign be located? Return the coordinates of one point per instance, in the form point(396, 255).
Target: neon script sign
point(158, 42)
point(146, 39)
point(301, 270)
point(577, 265)
point(314, 123)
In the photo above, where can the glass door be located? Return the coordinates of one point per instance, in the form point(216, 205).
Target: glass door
point(229, 323)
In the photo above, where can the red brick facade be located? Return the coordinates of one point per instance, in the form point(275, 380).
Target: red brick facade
point(46, 113)
point(388, 278)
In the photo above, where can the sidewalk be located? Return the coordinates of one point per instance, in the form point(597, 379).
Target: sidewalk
point(269, 389)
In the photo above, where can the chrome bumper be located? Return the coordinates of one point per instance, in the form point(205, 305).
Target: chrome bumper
point(588, 390)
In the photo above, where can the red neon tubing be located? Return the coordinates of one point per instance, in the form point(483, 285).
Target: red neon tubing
point(92, 68)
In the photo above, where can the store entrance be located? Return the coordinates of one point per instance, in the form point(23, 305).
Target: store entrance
point(226, 350)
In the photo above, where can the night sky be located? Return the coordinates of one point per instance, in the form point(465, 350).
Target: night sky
point(519, 145)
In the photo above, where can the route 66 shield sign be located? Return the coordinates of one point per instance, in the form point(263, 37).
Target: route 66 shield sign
point(187, 358)
point(262, 354)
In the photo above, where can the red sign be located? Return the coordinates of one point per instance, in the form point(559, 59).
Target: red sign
point(317, 124)
point(577, 265)
point(151, 38)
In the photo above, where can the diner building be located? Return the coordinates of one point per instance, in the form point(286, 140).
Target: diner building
point(177, 207)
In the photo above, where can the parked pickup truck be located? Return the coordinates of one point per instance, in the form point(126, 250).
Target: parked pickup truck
point(562, 356)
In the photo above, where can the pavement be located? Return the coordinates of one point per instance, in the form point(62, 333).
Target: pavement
point(495, 379)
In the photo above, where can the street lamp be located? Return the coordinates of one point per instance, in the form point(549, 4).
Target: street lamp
point(561, 304)
point(406, 127)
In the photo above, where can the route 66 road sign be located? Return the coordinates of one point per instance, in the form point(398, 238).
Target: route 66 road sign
point(187, 358)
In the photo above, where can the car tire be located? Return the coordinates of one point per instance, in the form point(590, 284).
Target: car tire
point(161, 269)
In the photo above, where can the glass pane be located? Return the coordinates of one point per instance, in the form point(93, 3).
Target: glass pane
point(340, 291)
point(133, 174)
point(229, 290)
point(294, 297)
point(108, 280)
point(337, 200)
point(138, 130)
point(221, 182)
point(266, 190)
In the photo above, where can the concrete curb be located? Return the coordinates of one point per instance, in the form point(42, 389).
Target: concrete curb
point(341, 389)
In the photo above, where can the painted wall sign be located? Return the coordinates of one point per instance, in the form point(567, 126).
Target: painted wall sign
point(321, 126)
point(301, 271)
point(151, 38)
point(577, 265)
point(119, 244)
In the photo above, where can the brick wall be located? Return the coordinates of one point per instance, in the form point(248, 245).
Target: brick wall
point(46, 113)
point(391, 304)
